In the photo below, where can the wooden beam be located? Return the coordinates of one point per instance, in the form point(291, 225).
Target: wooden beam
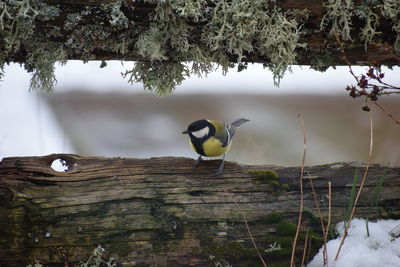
point(163, 212)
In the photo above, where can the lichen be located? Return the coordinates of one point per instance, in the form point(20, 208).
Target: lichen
point(369, 31)
point(243, 27)
point(182, 38)
point(117, 17)
point(151, 44)
point(338, 14)
point(41, 62)
point(194, 9)
point(391, 9)
point(159, 76)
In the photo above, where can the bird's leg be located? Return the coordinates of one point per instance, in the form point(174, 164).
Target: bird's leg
point(220, 168)
point(197, 162)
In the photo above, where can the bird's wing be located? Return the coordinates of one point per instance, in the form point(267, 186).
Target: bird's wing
point(222, 133)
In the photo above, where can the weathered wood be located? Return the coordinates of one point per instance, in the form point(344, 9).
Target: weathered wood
point(162, 212)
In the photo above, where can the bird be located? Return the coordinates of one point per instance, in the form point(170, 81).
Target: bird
point(212, 138)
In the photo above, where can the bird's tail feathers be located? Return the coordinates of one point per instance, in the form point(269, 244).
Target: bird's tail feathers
point(232, 127)
point(238, 122)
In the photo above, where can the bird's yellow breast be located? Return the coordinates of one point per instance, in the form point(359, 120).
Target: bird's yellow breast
point(213, 147)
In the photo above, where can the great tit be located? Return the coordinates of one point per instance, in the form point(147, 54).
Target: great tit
point(211, 138)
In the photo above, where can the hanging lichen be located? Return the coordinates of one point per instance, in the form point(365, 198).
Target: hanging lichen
point(339, 15)
point(174, 39)
point(234, 29)
point(391, 9)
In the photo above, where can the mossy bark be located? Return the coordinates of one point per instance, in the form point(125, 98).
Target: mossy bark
point(162, 212)
point(84, 30)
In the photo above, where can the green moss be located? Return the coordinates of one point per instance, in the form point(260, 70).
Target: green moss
point(272, 218)
point(286, 228)
point(274, 183)
point(233, 253)
point(266, 175)
point(285, 186)
point(120, 248)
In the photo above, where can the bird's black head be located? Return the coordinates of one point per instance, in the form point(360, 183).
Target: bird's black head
point(200, 129)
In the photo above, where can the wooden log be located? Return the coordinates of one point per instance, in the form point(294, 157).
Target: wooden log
point(163, 212)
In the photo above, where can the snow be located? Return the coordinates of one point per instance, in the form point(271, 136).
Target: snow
point(359, 250)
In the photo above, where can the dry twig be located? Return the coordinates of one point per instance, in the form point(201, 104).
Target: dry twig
point(347, 225)
point(292, 263)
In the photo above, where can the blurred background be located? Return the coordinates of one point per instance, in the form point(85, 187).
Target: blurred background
point(94, 111)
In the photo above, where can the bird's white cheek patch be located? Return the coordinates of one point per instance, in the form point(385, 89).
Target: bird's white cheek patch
point(201, 133)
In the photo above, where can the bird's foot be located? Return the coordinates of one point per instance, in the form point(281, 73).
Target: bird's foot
point(197, 162)
point(219, 170)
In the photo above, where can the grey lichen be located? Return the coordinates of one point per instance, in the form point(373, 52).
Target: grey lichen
point(158, 76)
point(391, 9)
point(369, 31)
point(234, 29)
point(16, 27)
point(41, 61)
point(243, 27)
point(180, 38)
point(194, 9)
point(338, 14)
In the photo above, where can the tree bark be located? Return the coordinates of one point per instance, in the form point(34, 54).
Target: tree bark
point(164, 212)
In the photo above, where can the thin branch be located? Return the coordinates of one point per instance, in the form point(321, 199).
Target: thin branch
point(252, 240)
point(303, 259)
point(325, 252)
point(301, 191)
point(329, 219)
point(387, 112)
point(347, 226)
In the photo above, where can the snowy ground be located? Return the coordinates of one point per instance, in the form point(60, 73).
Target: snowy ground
point(359, 250)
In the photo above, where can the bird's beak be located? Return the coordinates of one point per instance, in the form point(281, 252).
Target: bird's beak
point(185, 132)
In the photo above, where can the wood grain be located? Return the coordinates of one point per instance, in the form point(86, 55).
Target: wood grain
point(161, 211)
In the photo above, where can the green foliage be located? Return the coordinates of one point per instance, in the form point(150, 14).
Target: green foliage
point(375, 200)
point(352, 197)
